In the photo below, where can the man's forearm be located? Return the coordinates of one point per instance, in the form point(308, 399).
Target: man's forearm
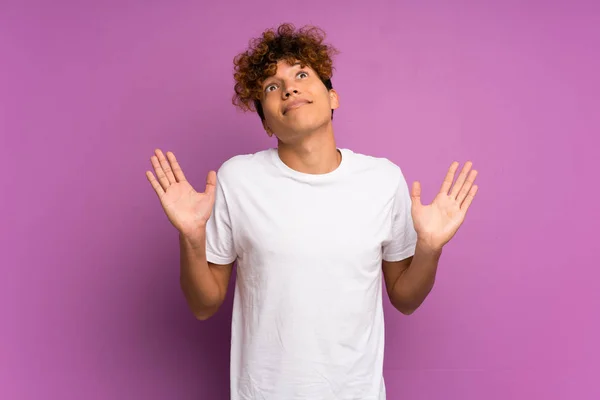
point(198, 283)
point(414, 283)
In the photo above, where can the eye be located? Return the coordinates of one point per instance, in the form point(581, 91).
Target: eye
point(270, 88)
point(302, 73)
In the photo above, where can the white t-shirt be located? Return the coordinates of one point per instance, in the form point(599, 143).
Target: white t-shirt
point(308, 315)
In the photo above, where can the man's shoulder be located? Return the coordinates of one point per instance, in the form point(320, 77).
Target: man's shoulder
point(243, 164)
point(378, 166)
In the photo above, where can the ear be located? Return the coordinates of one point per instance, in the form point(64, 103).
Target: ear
point(267, 129)
point(334, 99)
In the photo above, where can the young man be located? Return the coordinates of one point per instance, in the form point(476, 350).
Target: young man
point(314, 229)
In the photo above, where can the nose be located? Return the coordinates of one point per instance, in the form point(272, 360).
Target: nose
point(288, 92)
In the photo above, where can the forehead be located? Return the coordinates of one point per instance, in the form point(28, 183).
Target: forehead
point(285, 66)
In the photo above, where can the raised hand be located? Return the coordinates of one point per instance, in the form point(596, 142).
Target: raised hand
point(439, 221)
point(186, 209)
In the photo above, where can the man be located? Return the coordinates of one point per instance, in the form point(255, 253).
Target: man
point(314, 230)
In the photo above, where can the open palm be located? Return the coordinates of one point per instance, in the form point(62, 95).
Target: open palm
point(187, 209)
point(438, 222)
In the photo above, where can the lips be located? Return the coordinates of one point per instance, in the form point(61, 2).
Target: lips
point(294, 104)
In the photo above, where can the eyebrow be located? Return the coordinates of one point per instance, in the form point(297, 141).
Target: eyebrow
point(270, 78)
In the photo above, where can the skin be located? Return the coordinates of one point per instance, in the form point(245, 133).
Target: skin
point(409, 281)
point(304, 135)
point(307, 144)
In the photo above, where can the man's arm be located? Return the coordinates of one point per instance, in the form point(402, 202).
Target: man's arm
point(409, 281)
point(204, 284)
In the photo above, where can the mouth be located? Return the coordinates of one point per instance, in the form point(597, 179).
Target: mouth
point(295, 105)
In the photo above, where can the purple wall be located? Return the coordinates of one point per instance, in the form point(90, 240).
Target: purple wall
point(89, 294)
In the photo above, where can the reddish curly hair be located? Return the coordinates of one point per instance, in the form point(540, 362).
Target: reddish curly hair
point(259, 61)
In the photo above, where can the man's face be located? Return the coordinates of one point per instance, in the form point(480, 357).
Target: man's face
point(296, 102)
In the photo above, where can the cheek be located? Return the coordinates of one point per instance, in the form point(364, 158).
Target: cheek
point(270, 106)
point(269, 113)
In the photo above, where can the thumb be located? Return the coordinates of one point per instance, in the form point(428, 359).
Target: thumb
point(415, 194)
point(211, 183)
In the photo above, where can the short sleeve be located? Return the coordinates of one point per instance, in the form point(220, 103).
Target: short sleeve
point(403, 237)
point(220, 247)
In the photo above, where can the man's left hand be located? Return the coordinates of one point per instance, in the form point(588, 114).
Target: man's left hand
point(438, 222)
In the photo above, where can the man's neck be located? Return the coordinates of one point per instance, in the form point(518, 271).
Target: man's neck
point(316, 153)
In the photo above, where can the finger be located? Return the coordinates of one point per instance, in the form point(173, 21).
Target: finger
point(211, 183)
point(467, 186)
point(461, 179)
point(165, 166)
point(160, 174)
point(449, 178)
point(157, 188)
point(415, 194)
point(469, 199)
point(177, 171)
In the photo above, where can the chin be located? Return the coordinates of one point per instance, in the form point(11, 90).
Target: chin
point(302, 125)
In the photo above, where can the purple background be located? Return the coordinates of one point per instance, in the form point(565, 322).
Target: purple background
point(89, 292)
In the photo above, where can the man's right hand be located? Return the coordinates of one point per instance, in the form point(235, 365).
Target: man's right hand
point(186, 209)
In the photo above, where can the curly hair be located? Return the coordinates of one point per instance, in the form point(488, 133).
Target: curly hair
point(259, 61)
